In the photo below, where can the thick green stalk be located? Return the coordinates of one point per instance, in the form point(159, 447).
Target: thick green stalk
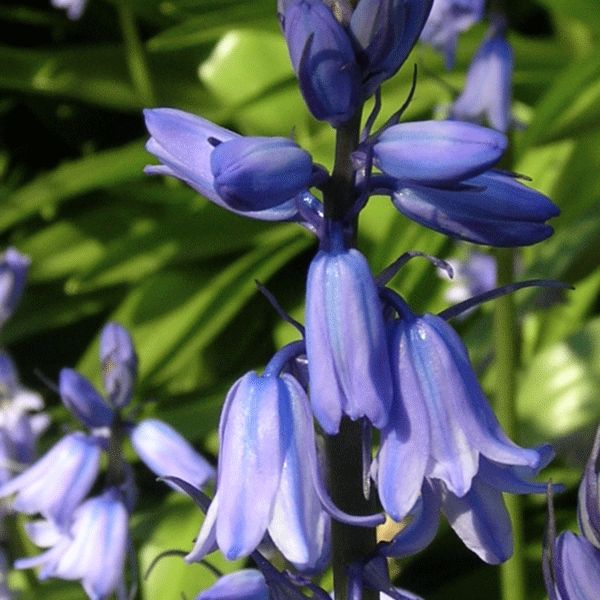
point(136, 57)
point(344, 453)
point(512, 572)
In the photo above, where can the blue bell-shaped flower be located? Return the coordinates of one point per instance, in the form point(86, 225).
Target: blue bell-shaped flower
point(348, 362)
point(119, 364)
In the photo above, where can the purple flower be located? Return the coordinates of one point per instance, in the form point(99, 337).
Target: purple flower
point(57, 482)
point(265, 478)
point(82, 399)
point(443, 433)
point(74, 8)
point(385, 32)
point(447, 19)
point(435, 153)
point(247, 584)
point(323, 60)
point(491, 209)
point(13, 273)
point(167, 453)
point(259, 173)
point(487, 91)
point(119, 364)
point(92, 549)
point(347, 354)
point(473, 275)
point(184, 144)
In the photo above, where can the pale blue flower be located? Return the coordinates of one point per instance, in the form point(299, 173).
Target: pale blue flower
point(247, 584)
point(74, 8)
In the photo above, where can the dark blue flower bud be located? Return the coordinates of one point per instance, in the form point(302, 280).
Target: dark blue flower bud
point(258, 173)
point(491, 209)
point(323, 60)
point(385, 32)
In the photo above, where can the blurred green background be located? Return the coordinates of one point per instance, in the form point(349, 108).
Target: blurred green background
point(109, 243)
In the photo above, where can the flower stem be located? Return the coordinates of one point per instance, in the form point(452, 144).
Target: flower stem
point(136, 56)
point(344, 450)
point(512, 572)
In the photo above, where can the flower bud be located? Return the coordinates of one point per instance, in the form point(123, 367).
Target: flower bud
point(323, 60)
point(13, 272)
point(258, 173)
point(119, 364)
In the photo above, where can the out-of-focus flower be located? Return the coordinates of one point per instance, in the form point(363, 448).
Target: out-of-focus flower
point(185, 143)
point(119, 364)
point(323, 60)
point(92, 549)
point(347, 354)
point(167, 453)
point(446, 21)
point(488, 87)
point(13, 273)
point(74, 8)
point(473, 275)
point(265, 474)
point(443, 433)
point(56, 483)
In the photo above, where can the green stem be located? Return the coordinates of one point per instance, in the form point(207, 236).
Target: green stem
point(136, 56)
point(344, 451)
point(512, 572)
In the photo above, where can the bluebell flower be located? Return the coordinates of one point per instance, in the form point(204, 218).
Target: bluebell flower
point(167, 453)
point(448, 19)
point(246, 584)
point(385, 32)
point(92, 549)
point(572, 562)
point(74, 8)
point(488, 87)
point(258, 173)
point(348, 362)
point(83, 400)
point(323, 60)
point(184, 144)
point(493, 209)
point(443, 433)
point(13, 273)
point(119, 364)
point(56, 483)
point(266, 474)
point(434, 153)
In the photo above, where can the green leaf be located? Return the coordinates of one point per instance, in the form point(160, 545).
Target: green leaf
point(571, 107)
point(585, 11)
point(558, 394)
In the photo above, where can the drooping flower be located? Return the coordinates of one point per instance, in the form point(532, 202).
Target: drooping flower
point(472, 275)
point(185, 144)
point(347, 353)
point(56, 483)
point(443, 433)
point(447, 20)
point(487, 92)
point(13, 273)
point(167, 453)
point(92, 549)
point(265, 476)
point(323, 60)
point(119, 364)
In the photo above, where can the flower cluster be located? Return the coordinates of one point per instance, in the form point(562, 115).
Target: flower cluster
point(364, 355)
point(88, 537)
